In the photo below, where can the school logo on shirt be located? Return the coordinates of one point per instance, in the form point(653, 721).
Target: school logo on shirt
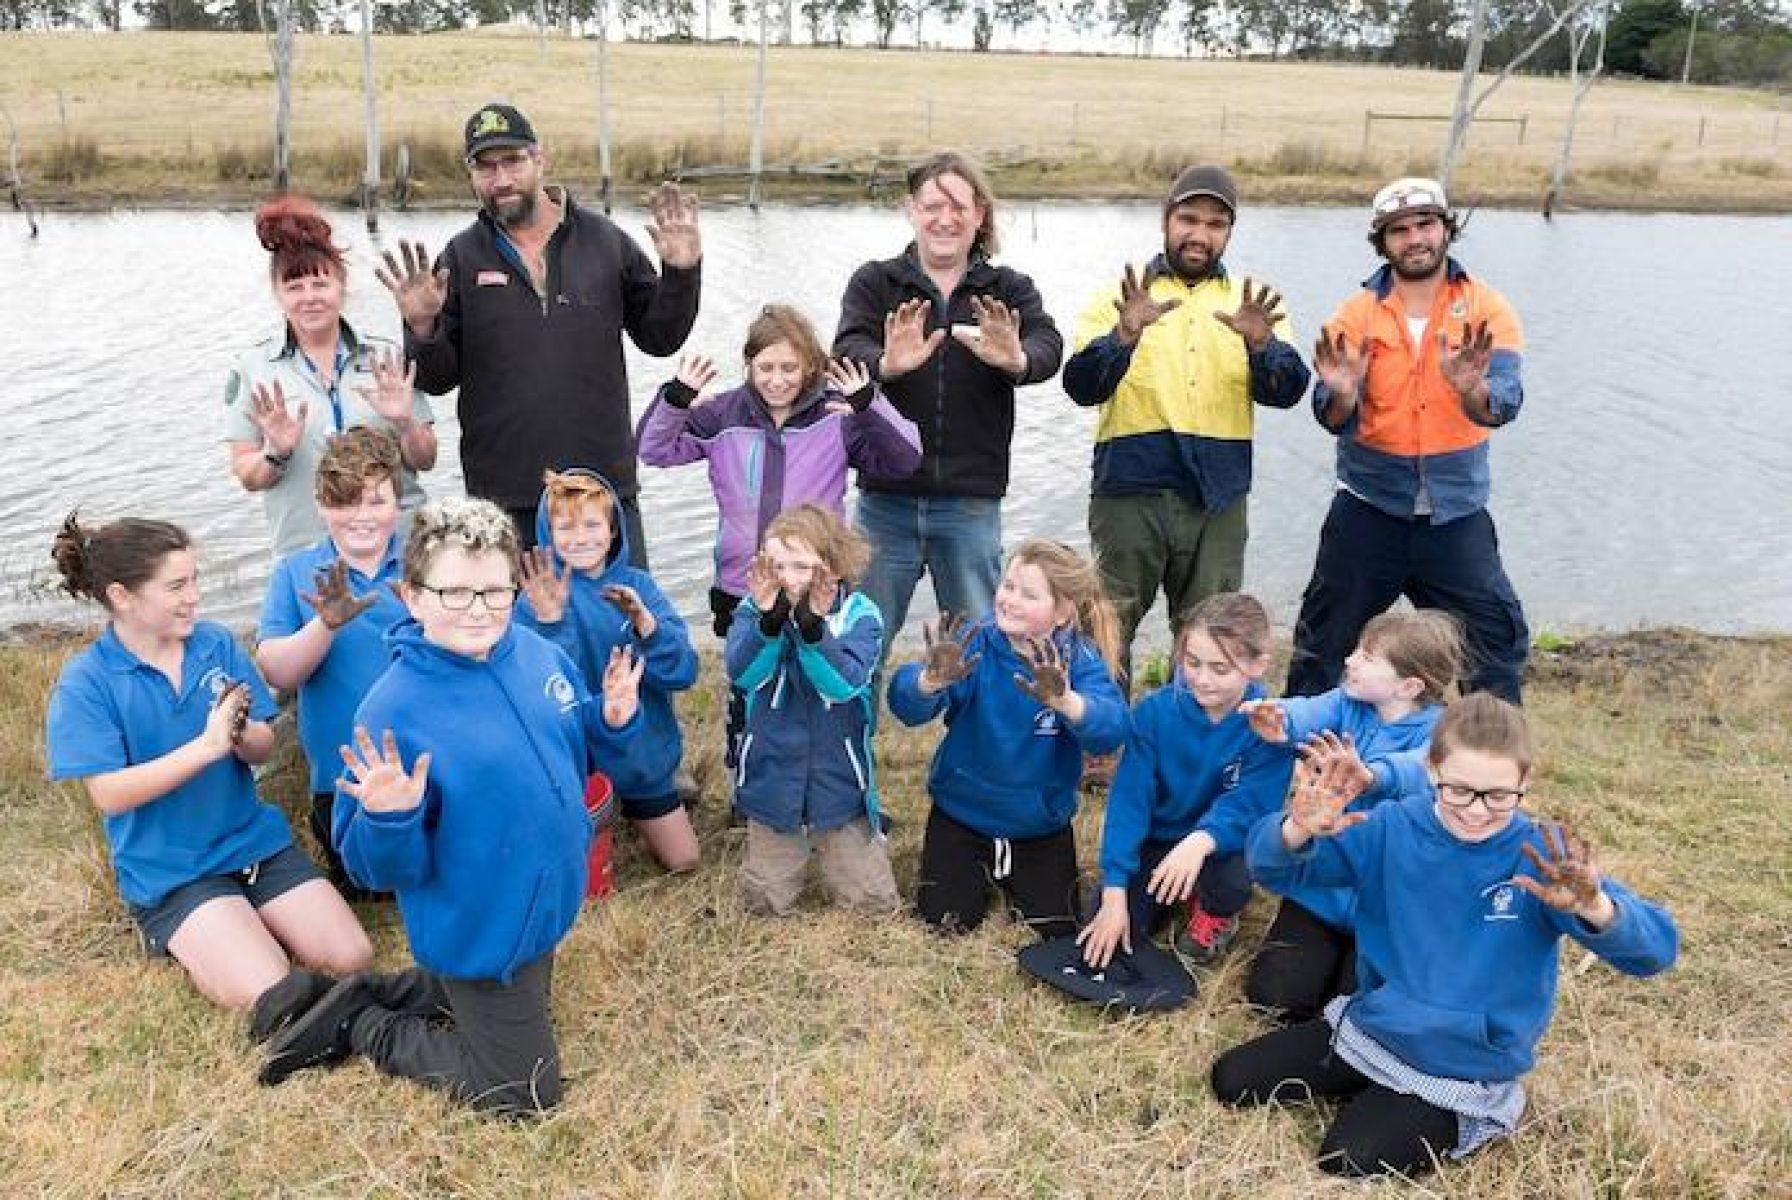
point(1501, 901)
point(1231, 773)
point(215, 682)
point(559, 689)
point(1045, 723)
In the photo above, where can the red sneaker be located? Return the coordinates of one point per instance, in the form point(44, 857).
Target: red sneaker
point(1206, 937)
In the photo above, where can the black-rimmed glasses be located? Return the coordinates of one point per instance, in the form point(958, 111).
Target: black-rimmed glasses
point(460, 599)
point(1460, 795)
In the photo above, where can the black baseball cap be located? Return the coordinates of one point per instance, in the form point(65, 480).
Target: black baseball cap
point(497, 125)
point(1148, 979)
point(1204, 180)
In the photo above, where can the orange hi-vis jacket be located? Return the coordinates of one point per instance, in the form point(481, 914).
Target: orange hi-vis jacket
point(1409, 441)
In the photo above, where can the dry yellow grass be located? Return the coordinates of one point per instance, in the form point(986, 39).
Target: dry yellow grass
point(712, 1054)
point(173, 117)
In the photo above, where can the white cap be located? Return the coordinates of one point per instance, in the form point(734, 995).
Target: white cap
point(1413, 194)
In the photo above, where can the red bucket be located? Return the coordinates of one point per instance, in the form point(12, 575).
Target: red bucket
point(600, 867)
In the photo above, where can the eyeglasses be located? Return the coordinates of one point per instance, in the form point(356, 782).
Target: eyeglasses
point(510, 163)
point(1460, 795)
point(1409, 198)
point(460, 599)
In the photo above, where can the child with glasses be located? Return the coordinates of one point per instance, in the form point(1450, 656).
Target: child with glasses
point(1462, 902)
point(464, 794)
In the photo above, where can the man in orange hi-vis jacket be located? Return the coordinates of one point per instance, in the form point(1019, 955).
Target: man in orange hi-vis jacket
point(1414, 372)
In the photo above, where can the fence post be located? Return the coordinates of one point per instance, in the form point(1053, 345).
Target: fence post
point(1225, 116)
point(930, 120)
point(1615, 121)
point(1363, 154)
point(1701, 131)
point(1524, 123)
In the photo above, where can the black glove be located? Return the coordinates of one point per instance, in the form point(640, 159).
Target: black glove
point(678, 393)
point(809, 623)
point(861, 399)
point(771, 621)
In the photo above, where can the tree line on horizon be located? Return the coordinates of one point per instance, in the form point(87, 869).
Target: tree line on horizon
point(1733, 41)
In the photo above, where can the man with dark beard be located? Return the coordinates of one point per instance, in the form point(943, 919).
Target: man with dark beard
point(1176, 358)
point(525, 312)
point(1414, 371)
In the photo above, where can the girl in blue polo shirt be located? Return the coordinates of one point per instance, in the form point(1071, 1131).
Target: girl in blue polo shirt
point(161, 719)
point(327, 610)
point(1462, 902)
point(1026, 693)
point(1192, 782)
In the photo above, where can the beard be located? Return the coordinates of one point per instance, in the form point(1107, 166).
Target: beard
point(512, 212)
point(1192, 263)
point(1413, 269)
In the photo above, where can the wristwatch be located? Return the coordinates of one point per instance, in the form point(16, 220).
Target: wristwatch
point(276, 461)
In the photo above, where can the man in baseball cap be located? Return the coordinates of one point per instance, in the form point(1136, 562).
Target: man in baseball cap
point(1175, 357)
point(1410, 195)
point(497, 125)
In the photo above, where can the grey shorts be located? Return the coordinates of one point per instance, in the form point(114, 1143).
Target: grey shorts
point(267, 880)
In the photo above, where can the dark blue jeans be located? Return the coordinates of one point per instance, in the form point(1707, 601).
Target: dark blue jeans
point(1368, 559)
point(955, 539)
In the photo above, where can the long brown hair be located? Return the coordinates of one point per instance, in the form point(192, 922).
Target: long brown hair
point(782, 323)
point(952, 162)
point(1425, 645)
point(1237, 623)
point(1072, 577)
point(129, 551)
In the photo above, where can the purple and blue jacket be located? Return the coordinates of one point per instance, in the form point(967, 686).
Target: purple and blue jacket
point(757, 469)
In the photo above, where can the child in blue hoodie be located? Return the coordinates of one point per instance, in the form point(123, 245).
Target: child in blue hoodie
point(1395, 684)
point(482, 837)
point(1192, 782)
point(580, 592)
point(1462, 902)
point(802, 651)
point(1026, 693)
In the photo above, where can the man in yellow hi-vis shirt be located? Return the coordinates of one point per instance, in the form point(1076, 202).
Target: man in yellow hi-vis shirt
point(1176, 357)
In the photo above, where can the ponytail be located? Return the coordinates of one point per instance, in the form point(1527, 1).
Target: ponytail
point(91, 559)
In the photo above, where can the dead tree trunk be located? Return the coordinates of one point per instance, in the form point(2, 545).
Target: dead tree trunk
point(370, 179)
point(1578, 36)
point(1468, 101)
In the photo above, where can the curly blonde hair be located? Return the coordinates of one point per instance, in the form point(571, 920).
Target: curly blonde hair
point(838, 544)
point(457, 523)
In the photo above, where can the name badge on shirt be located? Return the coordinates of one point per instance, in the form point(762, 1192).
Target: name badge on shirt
point(492, 279)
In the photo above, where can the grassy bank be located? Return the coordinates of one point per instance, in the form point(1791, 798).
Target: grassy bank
point(185, 118)
point(716, 1055)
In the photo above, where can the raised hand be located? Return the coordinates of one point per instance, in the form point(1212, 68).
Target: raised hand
point(1137, 308)
point(1337, 366)
point(997, 337)
point(1111, 927)
point(622, 686)
point(546, 587)
point(391, 395)
point(420, 292)
point(1050, 680)
point(335, 601)
point(280, 429)
point(629, 601)
point(377, 778)
point(1320, 801)
point(824, 590)
point(228, 718)
point(673, 229)
point(1255, 320)
point(946, 662)
point(1569, 877)
point(1174, 879)
point(762, 582)
point(907, 344)
point(1465, 365)
point(1335, 756)
point(1268, 720)
point(850, 378)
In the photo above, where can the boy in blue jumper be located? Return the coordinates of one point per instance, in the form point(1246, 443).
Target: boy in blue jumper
point(482, 837)
point(802, 651)
point(581, 592)
point(328, 607)
point(1026, 693)
point(1393, 692)
point(1192, 782)
point(1462, 902)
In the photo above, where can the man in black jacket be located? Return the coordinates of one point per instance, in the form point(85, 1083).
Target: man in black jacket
point(525, 312)
point(950, 335)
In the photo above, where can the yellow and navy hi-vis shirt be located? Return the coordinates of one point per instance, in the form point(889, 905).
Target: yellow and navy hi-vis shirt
point(1409, 434)
point(1176, 409)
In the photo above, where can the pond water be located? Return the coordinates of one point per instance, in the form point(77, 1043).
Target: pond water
point(1647, 481)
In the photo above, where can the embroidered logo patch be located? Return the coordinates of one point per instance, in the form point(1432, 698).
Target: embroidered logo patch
point(1045, 723)
point(1231, 773)
point(491, 279)
point(559, 689)
point(1501, 899)
point(215, 683)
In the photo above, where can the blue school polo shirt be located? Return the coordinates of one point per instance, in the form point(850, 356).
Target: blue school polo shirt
point(357, 656)
point(111, 710)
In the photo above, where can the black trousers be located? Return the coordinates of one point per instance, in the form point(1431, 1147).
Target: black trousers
point(1377, 1130)
point(1368, 559)
point(1304, 962)
point(1223, 888)
point(488, 1044)
point(960, 868)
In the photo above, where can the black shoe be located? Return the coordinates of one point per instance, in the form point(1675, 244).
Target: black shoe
point(320, 1038)
point(286, 1002)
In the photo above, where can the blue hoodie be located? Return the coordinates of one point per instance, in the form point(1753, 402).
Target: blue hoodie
point(1008, 766)
point(592, 627)
point(1394, 751)
point(490, 867)
point(805, 759)
point(1455, 967)
point(1184, 771)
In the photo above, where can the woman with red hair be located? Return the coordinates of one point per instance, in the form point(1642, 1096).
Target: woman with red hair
point(314, 379)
